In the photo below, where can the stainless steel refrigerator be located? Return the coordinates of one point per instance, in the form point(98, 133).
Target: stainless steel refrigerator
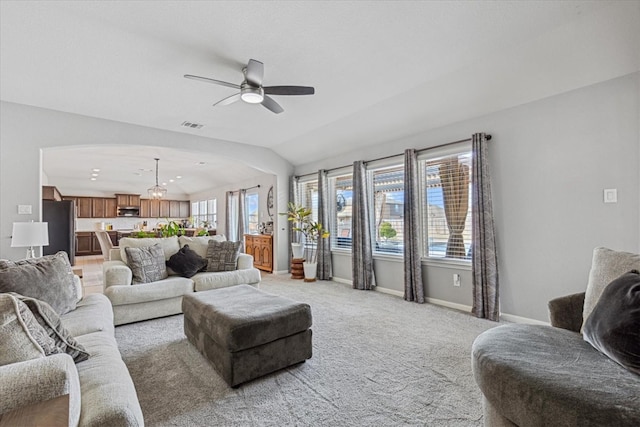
point(62, 227)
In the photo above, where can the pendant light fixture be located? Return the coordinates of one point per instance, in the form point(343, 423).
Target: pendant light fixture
point(157, 192)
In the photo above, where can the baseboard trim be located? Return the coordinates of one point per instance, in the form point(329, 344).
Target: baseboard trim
point(449, 304)
point(389, 291)
point(519, 319)
point(281, 272)
point(343, 281)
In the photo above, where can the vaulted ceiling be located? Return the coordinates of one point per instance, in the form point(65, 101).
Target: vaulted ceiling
point(382, 70)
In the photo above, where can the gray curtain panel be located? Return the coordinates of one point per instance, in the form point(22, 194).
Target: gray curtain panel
point(228, 222)
point(362, 252)
point(324, 245)
point(484, 258)
point(413, 286)
point(241, 216)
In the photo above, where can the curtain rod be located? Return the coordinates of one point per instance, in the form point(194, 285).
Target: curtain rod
point(396, 155)
point(244, 189)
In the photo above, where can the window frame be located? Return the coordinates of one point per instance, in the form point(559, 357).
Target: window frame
point(332, 205)
point(394, 162)
point(431, 155)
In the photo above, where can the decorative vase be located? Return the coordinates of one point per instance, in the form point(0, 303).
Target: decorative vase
point(310, 271)
point(298, 250)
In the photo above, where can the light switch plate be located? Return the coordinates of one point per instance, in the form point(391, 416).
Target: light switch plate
point(24, 209)
point(611, 195)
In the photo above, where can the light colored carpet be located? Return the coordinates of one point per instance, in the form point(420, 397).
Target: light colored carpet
point(377, 361)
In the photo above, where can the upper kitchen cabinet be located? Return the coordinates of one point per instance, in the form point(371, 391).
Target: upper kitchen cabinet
point(103, 207)
point(50, 192)
point(128, 200)
point(84, 208)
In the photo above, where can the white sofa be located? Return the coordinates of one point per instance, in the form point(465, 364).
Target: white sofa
point(101, 391)
point(132, 303)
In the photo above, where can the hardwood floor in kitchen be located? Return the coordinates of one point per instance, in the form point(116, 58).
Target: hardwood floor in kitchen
point(91, 266)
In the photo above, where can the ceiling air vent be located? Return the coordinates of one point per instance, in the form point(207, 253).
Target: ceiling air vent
point(191, 125)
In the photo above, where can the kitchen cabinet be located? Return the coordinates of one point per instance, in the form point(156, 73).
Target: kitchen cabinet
point(103, 208)
point(87, 243)
point(185, 209)
point(174, 209)
point(51, 193)
point(84, 207)
point(260, 246)
point(165, 209)
point(110, 207)
point(128, 200)
point(145, 208)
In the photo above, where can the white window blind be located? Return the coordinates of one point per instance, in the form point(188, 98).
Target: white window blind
point(388, 189)
point(446, 181)
point(341, 210)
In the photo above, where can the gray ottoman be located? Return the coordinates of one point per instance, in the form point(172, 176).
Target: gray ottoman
point(247, 333)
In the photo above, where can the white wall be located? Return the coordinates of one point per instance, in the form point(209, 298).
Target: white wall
point(550, 161)
point(26, 130)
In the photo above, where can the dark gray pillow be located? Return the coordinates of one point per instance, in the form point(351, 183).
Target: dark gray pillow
point(147, 263)
point(613, 327)
point(48, 278)
point(186, 262)
point(50, 321)
point(222, 256)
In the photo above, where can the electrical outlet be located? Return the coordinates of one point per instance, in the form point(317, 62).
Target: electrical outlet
point(24, 209)
point(456, 280)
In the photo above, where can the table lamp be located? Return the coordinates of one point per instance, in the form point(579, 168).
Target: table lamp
point(30, 234)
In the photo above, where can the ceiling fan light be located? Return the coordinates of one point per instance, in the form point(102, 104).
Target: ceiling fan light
point(252, 95)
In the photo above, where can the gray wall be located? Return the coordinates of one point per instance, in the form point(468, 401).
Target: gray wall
point(550, 161)
point(26, 130)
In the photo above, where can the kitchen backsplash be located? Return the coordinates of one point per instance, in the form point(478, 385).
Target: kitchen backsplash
point(93, 224)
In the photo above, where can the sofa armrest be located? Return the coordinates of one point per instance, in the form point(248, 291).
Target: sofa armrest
point(566, 312)
point(114, 254)
point(116, 273)
point(37, 380)
point(245, 261)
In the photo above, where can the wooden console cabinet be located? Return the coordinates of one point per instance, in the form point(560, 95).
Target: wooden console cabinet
point(260, 246)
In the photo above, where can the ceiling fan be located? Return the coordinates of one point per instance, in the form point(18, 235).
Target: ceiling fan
point(252, 91)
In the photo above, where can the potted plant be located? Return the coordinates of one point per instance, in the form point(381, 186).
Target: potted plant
point(297, 215)
point(171, 228)
point(302, 222)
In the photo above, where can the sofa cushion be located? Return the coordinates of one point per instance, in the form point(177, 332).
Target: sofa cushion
point(613, 327)
point(222, 256)
point(93, 314)
point(170, 287)
point(169, 245)
point(222, 279)
point(606, 266)
point(538, 375)
point(50, 321)
point(186, 262)
point(21, 336)
point(200, 243)
point(48, 278)
point(147, 264)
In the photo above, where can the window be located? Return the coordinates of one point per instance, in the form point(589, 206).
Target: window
point(251, 213)
point(308, 197)
point(447, 214)
point(204, 213)
point(388, 195)
point(342, 191)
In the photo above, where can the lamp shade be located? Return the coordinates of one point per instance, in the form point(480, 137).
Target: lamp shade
point(30, 234)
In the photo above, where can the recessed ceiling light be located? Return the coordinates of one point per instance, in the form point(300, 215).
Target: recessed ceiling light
point(94, 174)
point(164, 183)
point(137, 173)
point(93, 179)
point(171, 180)
point(178, 176)
point(200, 163)
point(96, 170)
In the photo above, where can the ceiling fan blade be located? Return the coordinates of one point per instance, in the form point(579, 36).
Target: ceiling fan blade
point(228, 100)
point(254, 72)
point(289, 90)
point(208, 80)
point(271, 104)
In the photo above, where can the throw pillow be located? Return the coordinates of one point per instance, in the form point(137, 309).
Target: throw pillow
point(21, 336)
point(222, 256)
point(170, 245)
point(147, 264)
point(48, 278)
point(613, 327)
point(50, 322)
point(200, 243)
point(186, 262)
point(606, 265)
